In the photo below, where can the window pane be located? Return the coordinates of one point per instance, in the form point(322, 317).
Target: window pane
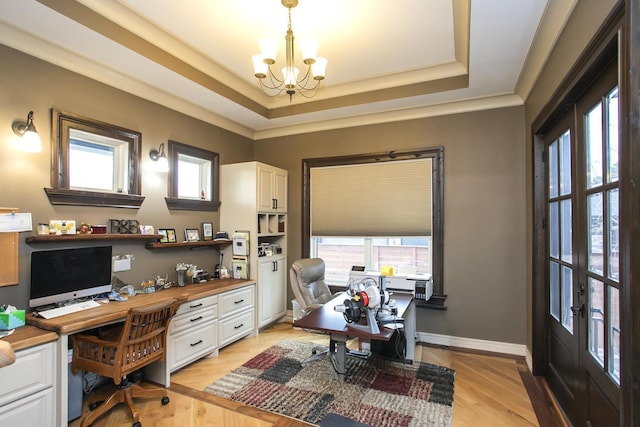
point(596, 320)
point(567, 298)
point(593, 135)
point(188, 180)
point(595, 233)
point(554, 227)
point(565, 228)
point(406, 254)
point(553, 169)
point(565, 163)
point(339, 255)
point(612, 222)
point(614, 334)
point(554, 290)
point(612, 129)
point(91, 166)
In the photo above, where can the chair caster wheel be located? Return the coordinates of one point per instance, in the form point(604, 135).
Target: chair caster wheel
point(313, 352)
point(136, 424)
point(165, 400)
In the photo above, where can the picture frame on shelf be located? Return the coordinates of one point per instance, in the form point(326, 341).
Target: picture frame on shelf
point(191, 235)
point(164, 233)
point(171, 235)
point(147, 229)
point(207, 231)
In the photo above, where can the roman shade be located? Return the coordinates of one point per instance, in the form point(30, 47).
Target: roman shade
point(392, 198)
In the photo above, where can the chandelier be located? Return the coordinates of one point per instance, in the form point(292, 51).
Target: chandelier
point(308, 85)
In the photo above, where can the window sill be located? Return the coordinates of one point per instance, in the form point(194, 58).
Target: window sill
point(64, 196)
point(436, 302)
point(192, 205)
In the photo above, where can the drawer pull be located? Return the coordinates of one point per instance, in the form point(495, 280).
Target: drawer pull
point(239, 301)
point(196, 343)
point(196, 305)
point(196, 319)
point(239, 326)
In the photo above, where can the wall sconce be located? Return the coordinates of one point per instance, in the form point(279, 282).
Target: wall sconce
point(29, 138)
point(158, 156)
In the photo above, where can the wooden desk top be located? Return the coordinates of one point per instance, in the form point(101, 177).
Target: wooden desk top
point(326, 319)
point(29, 336)
point(116, 311)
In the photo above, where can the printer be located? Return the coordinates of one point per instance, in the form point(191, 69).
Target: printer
point(418, 285)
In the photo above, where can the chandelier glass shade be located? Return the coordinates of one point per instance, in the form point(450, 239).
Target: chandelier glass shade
point(307, 85)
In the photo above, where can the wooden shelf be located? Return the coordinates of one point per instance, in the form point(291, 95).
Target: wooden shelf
point(190, 245)
point(88, 237)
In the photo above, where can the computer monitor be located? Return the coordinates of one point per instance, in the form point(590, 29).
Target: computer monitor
point(65, 274)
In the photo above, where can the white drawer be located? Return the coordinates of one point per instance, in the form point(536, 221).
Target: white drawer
point(236, 300)
point(34, 410)
point(193, 319)
point(197, 304)
point(31, 372)
point(191, 345)
point(236, 326)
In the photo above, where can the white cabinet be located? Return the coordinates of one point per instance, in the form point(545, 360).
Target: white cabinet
point(237, 314)
point(272, 188)
point(254, 199)
point(193, 332)
point(272, 273)
point(27, 392)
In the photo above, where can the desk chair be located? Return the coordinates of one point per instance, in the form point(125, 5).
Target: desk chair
point(141, 341)
point(311, 292)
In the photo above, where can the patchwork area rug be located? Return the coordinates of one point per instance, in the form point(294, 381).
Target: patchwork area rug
point(376, 392)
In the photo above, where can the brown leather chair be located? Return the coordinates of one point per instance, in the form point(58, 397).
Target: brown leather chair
point(141, 341)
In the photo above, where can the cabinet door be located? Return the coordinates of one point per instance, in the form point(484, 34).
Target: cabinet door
point(280, 190)
point(280, 289)
point(266, 292)
point(265, 189)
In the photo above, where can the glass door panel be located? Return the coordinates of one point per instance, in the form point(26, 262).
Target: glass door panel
point(612, 135)
point(595, 233)
point(596, 320)
point(567, 299)
point(593, 131)
point(614, 334)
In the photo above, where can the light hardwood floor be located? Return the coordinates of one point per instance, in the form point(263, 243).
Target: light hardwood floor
point(489, 389)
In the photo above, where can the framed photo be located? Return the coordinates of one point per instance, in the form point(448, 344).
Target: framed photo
point(191, 235)
point(147, 229)
point(171, 235)
point(163, 233)
point(207, 231)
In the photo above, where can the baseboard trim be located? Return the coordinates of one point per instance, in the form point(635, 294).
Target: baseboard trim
point(472, 343)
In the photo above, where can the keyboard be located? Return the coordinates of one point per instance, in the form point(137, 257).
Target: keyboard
point(68, 309)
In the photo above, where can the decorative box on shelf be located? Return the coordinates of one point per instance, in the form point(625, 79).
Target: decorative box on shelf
point(12, 320)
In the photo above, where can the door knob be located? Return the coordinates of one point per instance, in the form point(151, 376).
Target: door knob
point(577, 309)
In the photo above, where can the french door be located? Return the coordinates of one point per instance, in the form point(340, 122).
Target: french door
point(582, 258)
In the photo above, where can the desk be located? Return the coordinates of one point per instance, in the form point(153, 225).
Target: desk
point(326, 319)
point(115, 312)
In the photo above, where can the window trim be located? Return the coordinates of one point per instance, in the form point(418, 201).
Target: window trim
point(176, 203)
point(437, 234)
point(60, 193)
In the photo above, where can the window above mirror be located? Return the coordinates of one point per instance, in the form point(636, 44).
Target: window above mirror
point(93, 163)
point(193, 178)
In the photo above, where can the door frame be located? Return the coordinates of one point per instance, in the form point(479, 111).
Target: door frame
point(617, 38)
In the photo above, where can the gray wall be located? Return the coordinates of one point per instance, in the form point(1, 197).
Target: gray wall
point(484, 213)
point(27, 84)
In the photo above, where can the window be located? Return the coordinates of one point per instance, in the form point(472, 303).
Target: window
point(94, 163)
point(97, 163)
point(193, 181)
point(376, 210)
point(410, 255)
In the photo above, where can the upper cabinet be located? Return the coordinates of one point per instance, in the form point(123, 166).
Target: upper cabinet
point(272, 188)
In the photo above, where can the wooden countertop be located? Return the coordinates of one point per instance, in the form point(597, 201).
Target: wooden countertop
point(116, 311)
point(29, 336)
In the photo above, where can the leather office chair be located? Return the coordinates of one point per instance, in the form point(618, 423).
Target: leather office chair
point(141, 341)
point(311, 292)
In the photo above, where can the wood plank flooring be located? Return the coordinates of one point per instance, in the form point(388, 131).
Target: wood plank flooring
point(489, 390)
